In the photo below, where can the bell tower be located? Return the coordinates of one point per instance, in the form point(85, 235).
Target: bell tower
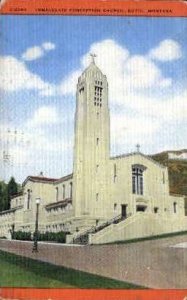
point(92, 143)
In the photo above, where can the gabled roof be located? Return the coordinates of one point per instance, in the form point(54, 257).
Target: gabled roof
point(16, 195)
point(39, 179)
point(138, 153)
point(64, 178)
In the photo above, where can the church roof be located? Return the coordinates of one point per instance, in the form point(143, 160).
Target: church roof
point(39, 179)
point(64, 178)
point(92, 66)
point(47, 179)
point(16, 195)
point(138, 153)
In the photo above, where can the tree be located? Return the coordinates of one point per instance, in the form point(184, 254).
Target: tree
point(3, 196)
point(12, 189)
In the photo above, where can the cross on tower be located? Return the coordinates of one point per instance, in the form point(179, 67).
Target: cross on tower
point(138, 148)
point(93, 55)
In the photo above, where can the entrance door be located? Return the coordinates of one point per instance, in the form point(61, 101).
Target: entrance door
point(124, 211)
point(141, 208)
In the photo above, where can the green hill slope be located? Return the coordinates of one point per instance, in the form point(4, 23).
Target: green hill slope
point(177, 171)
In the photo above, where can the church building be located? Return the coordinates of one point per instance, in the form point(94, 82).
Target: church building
point(106, 198)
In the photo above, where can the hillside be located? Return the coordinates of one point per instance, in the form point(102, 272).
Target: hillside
point(177, 171)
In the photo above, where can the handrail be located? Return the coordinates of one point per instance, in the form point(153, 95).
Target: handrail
point(95, 229)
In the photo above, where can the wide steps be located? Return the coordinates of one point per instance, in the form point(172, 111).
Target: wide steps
point(83, 238)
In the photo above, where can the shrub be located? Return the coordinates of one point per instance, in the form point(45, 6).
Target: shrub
point(58, 237)
point(21, 235)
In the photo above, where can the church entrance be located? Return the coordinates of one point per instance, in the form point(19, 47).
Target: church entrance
point(124, 211)
point(141, 208)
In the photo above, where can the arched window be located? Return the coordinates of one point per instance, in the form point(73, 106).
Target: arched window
point(63, 191)
point(56, 194)
point(71, 190)
point(137, 179)
point(175, 207)
point(28, 198)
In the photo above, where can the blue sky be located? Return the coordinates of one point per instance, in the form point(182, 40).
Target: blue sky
point(41, 57)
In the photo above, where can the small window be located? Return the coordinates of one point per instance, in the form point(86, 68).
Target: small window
point(156, 209)
point(163, 178)
point(63, 191)
point(56, 193)
point(141, 208)
point(71, 190)
point(97, 196)
point(97, 168)
point(28, 198)
point(115, 173)
point(175, 207)
point(97, 141)
point(115, 206)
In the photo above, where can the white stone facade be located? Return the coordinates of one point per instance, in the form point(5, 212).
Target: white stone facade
point(101, 187)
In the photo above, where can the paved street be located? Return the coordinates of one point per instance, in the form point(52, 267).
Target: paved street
point(156, 264)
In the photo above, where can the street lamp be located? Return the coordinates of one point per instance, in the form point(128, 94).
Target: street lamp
point(35, 245)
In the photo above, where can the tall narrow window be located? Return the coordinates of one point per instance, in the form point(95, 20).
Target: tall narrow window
point(115, 173)
point(28, 198)
point(175, 207)
point(63, 191)
point(98, 94)
point(97, 196)
point(137, 180)
point(163, 177)
point(97, 141)
point(56, 194)
point(71, 190)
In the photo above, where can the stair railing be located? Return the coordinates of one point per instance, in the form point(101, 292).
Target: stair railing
point(95, 229)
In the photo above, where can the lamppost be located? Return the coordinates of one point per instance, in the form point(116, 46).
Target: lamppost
point(35, 245)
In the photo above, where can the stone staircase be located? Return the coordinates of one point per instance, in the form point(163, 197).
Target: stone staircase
point(83, 237)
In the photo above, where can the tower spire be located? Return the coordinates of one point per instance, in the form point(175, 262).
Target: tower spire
point(93, 55)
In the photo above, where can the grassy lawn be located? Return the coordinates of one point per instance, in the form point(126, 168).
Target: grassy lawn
point(18, 271)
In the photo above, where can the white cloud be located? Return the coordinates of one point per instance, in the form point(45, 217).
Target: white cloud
point(36, 52)
point(44, 115)
point(111, 59)
point(15, 76)
point(33, 53)
point(140, 72)
point(167, 50)
point(68, 86)
point(35, 150)
point(172, 109)
point(125, 73)
point(48, 46)
point(139, 117)
point(152, 122)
